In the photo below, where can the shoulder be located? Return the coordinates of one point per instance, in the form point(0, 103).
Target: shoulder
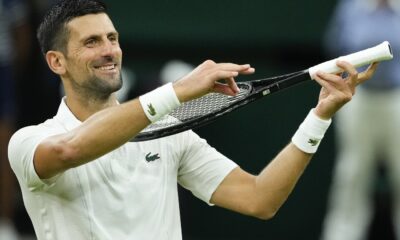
point(27, 138)
point(24, 133)
point(45, 128)
point(21, 152)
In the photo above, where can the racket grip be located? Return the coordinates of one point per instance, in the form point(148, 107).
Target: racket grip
point(378, 53)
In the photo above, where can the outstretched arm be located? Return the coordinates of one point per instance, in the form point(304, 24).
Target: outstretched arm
point(261, 196)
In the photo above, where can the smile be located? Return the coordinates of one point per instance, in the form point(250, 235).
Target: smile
point(107, 67)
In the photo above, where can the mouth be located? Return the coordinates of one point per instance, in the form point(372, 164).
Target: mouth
point(107, 68)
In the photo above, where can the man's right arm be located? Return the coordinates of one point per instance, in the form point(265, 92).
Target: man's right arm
point(108, 129)
point(101, 133)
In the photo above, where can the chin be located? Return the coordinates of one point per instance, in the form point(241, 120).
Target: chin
point(115, 85)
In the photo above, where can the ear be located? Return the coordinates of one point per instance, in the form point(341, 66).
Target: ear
point(55, 60)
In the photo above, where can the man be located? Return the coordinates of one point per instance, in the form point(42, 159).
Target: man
point(82, 179)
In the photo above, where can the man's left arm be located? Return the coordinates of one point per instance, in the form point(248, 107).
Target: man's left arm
point(261, 196)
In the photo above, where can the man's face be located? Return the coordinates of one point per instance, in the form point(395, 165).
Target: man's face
point(93, 58)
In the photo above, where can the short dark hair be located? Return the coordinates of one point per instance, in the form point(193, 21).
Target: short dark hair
point(53, 33)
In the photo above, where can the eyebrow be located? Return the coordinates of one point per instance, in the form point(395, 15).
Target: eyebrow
point(98, 36)
point(114, 33)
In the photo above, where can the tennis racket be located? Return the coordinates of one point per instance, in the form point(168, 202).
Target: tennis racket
point(206, 109)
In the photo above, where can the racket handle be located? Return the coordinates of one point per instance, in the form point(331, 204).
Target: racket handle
point(378, 53)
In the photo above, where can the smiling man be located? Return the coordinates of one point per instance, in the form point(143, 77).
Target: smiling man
point(80, 177)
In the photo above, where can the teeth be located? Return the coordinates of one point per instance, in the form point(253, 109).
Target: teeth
point(110, 67)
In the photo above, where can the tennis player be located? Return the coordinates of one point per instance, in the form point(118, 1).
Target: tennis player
point(81, 179)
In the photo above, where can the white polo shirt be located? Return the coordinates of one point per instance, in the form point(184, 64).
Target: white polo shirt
point(130, 193)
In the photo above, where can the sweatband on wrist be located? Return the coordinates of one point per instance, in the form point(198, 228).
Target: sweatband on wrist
point(310, 133)
point(159, 102)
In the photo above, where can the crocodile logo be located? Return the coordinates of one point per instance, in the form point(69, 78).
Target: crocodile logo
point(152, 157)
point(313, 142)
point(151, 110)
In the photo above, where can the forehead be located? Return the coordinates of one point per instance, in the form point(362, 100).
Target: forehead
point(91, 24)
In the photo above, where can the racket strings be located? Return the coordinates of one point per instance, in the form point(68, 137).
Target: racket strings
point(200, 107)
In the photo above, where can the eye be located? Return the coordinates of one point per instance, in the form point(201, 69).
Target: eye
point(91, 42)
point(113, 38)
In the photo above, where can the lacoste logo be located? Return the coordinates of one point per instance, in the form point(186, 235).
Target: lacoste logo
point(151, 158)
point(313, 142)
point(151, 110)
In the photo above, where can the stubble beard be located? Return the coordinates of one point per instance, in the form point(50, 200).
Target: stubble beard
point(99, 88)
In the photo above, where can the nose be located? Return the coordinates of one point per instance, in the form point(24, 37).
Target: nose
point(110, 48)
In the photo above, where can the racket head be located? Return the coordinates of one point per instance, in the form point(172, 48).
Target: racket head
point(206, 109)
point(194, 113)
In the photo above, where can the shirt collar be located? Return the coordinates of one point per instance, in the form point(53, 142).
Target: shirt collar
point(66, 117)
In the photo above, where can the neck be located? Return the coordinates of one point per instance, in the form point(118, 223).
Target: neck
point(83, 107)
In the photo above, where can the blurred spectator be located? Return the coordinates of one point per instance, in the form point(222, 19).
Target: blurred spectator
point(14, 46)
point(368, 129)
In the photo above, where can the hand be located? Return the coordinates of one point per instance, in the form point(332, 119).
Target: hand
point(337, 91)
point(205, 79)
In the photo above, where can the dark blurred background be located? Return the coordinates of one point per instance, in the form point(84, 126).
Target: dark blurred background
point(276, 37)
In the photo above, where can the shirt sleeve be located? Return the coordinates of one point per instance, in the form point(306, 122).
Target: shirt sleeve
point(202, 168)
point(21, 150)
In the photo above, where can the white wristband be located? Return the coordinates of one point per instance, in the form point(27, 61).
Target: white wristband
point(159, 102)
point(310, 133)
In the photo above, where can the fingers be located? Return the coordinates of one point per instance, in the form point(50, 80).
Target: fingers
point(228, 77)
point(232, 85)
point(336, 90)
point(367, 74)
point(206, 78)
point(241, 69)
point(352, 78)
point(334, 94)
point(355, 78)
point(248, 71)
point(230, 81)
point(347, 67)
point(326, 80)
point(227, 72)
point(235, 67)
point(224, 89)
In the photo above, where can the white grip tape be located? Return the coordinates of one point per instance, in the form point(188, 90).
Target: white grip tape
point(159, 102)
point(378, 53)
point(310, 133)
